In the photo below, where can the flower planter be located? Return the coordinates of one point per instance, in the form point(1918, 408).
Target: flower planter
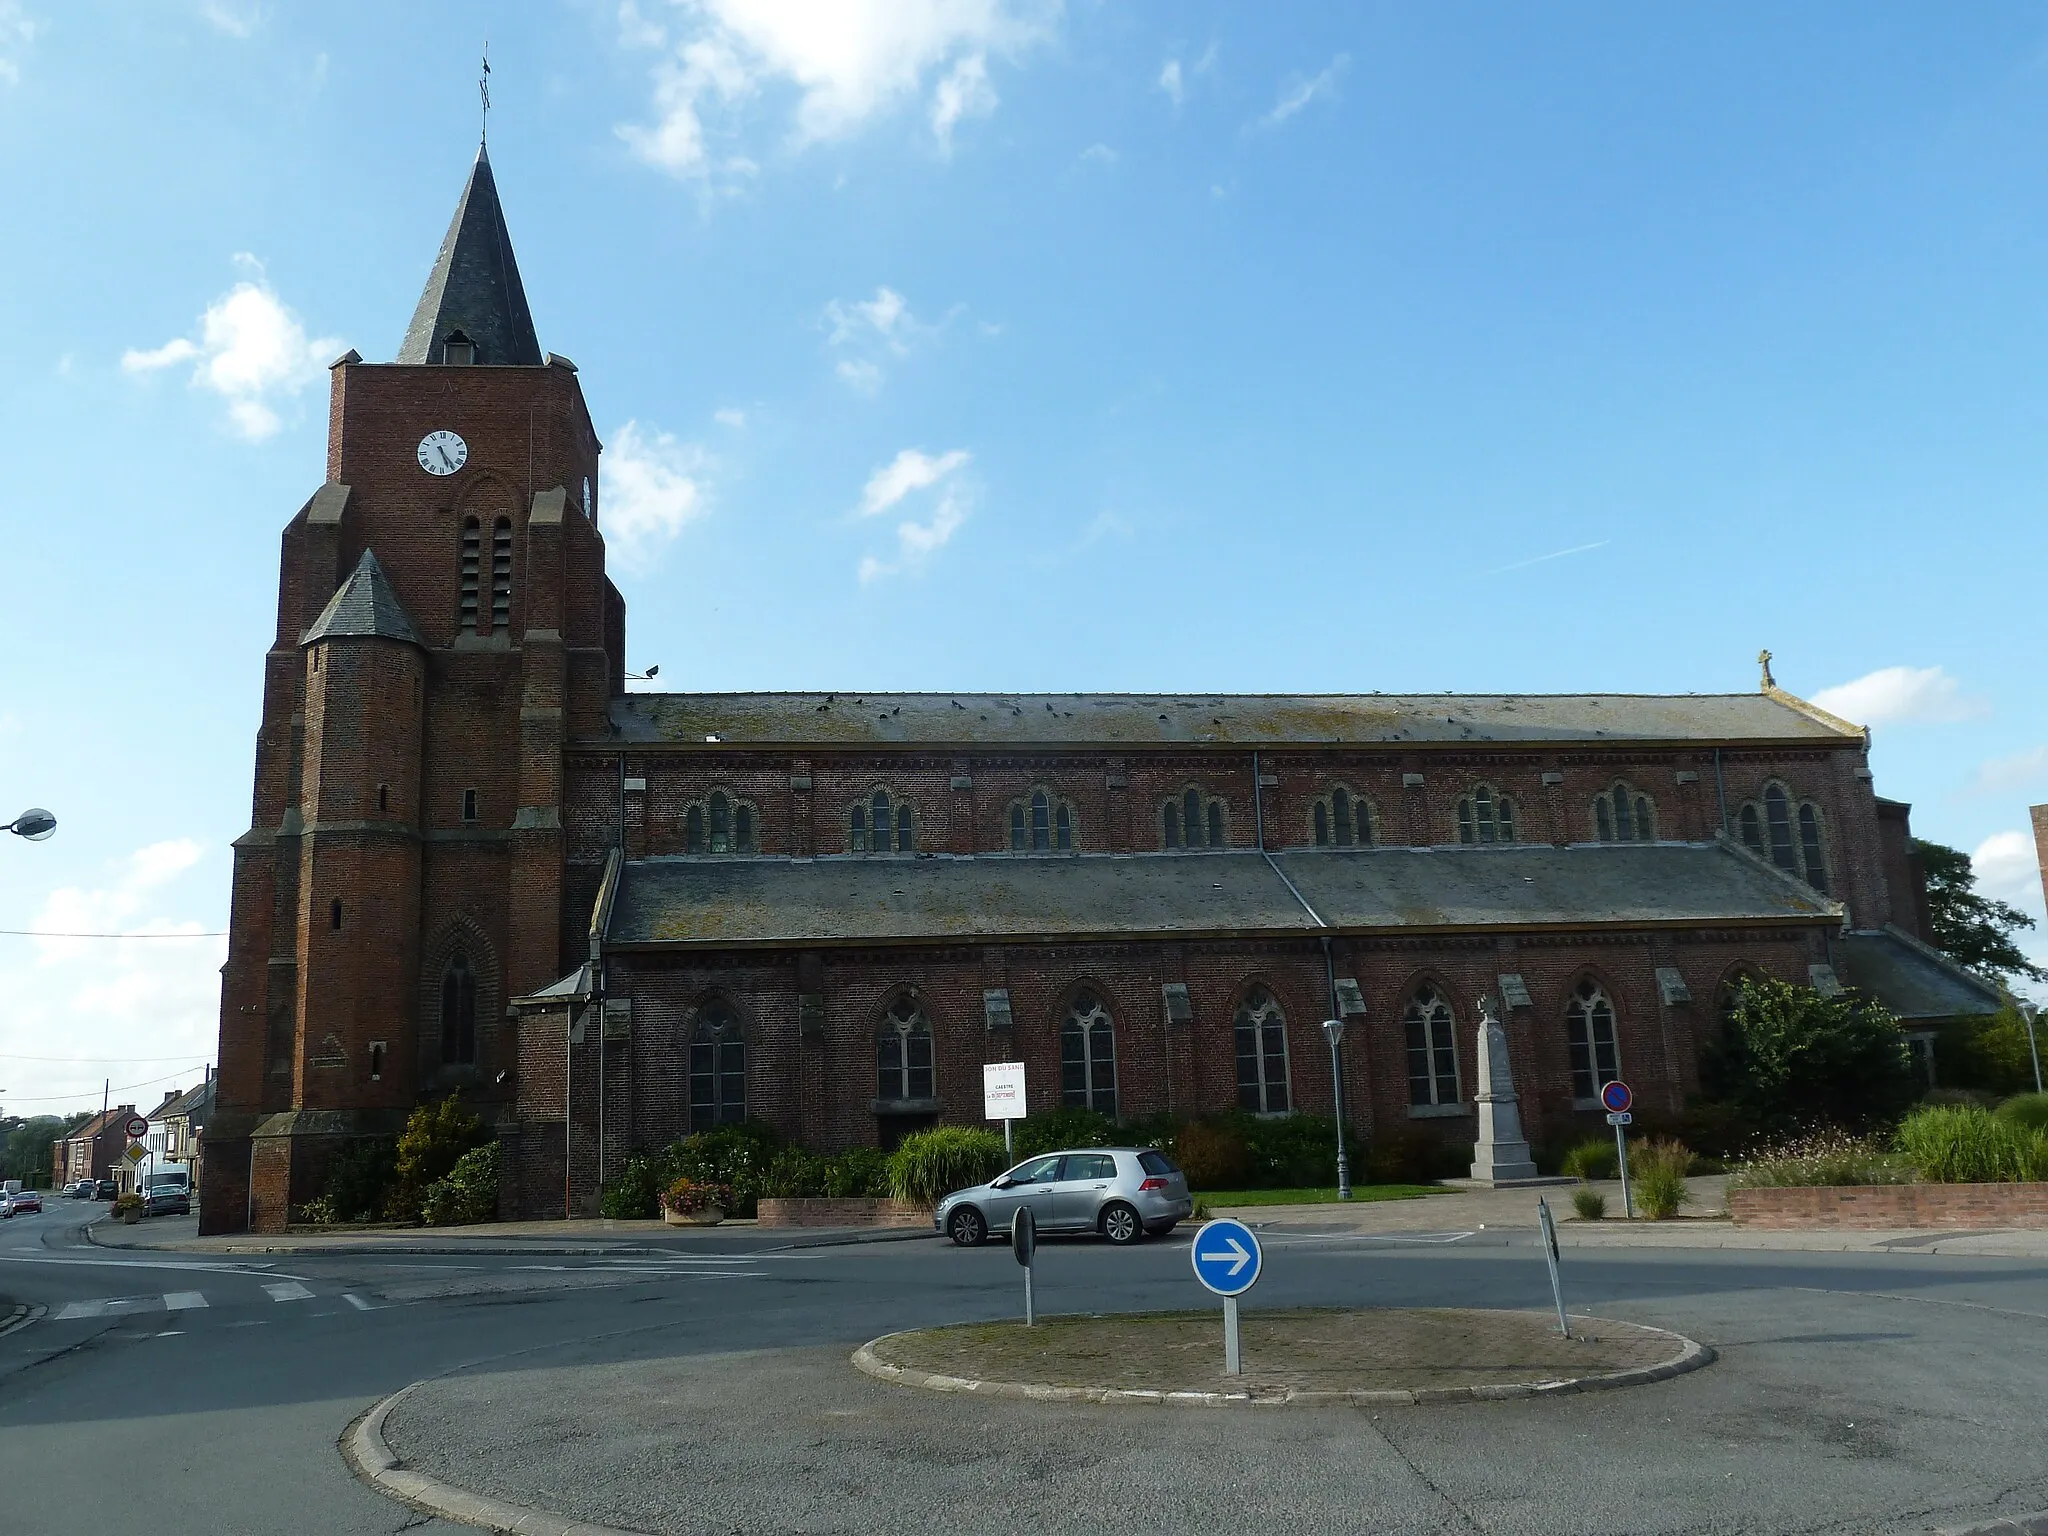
point(710, 1216)
point(129, 1218)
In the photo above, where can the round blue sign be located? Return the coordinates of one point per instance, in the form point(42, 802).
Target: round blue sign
point(1616, 1096)
point(1226, 1257)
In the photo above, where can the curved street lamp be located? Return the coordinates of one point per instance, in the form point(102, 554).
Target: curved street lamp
point(35, 824)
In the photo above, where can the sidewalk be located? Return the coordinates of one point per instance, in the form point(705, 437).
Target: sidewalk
point(1705, 1224)
point(587, 1237)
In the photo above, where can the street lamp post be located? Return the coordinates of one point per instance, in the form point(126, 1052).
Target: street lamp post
point(2027, 1012)
point(35, 824)
point(1334, 1029)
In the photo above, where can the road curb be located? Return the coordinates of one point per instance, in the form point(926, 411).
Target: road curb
point(371, 1458)
point(19, 1316)
point(1690, 1358)
point(508, 1250)
point(2017, 1525)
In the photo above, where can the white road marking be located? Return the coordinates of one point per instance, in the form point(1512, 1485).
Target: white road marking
point(357, 1302)
point(109, 1306)
point(171, 1333)
point(183, 1301)
point(288, 1290)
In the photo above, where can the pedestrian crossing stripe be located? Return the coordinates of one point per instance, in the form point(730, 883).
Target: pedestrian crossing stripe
point(171, 1301)
point(288, 1290)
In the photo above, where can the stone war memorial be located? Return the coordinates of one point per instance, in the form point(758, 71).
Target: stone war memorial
point(476, 862)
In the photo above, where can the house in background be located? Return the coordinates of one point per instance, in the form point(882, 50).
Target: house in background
point(93, 1151)
point(177, 1124)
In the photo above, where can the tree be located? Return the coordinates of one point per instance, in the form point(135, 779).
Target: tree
point(1792, 1057)
point(1973, 930)
point(25, 1144)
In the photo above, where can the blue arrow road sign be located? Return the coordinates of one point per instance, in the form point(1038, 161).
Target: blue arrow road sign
point(1226, 1257)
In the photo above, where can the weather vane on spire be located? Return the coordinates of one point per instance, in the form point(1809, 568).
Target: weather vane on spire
point(483, 87)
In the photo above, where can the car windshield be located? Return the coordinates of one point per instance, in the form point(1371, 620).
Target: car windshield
point(1040, 1170)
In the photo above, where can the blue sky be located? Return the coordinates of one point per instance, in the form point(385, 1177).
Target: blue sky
point(1006, 344)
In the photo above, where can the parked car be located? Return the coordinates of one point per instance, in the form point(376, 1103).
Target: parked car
point(21, 1201)
point(1124, 1193)
point(78, 1189)
point(106, 1189)
point(167, 1194)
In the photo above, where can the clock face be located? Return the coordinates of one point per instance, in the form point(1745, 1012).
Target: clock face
point(443, 453)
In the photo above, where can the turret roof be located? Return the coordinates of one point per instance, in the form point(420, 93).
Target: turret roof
point(474, 287)
point(365, 605)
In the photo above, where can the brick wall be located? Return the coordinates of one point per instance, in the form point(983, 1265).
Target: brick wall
point(1889, 1207)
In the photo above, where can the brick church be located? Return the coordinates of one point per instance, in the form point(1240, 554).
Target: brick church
point(476, 863)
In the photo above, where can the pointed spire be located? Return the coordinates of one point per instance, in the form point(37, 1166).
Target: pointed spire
point(365, 605)
point(474, 288)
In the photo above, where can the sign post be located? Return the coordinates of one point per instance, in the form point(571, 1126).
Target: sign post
point(1002, 1098)
point(1024, 1244)
point(1617, 1097)
point(1227, 1261)
point(1549, 1226)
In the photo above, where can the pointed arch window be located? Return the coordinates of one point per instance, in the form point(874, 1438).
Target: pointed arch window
point(1432, 1049)
point(1622, 815)
point(1341, 819)
point(1262, 1055)
point(1486, 816)
point(718, 1068)
point(501, 574)
point(1810, 850)
point(721, 822)
point(1589, 1031)
point(882, 824)
point(1778, 826)
point(1194, 819)
point(1088, 1056)
point(1042, 823)
point(458, 1011)
point(903, 1053)
point(1751, 827)
point(472, 557)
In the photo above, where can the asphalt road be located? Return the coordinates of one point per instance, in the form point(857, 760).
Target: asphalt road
point(175, 1394)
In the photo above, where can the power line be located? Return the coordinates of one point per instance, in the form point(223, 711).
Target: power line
point(89, 1061)
point(86, 1093)
point(42, 933)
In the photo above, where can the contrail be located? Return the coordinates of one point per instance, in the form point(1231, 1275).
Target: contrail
point(1577, 549)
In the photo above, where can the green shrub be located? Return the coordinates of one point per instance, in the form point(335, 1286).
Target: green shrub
point(1407, 1156)
point(1995, 1053)
point(1657, 1169)
point(936, 1162)
point(435, 1137)
point(1211, 1154)
point(475, 1181)
point(1590, 1204)
point(1822, 1158)
point(631, 1196)
point(317, 1212)
point(1059, 1129)
point(357, 1177)
point(2026, 1110)
point(734, 1156)
point(1595, 1159)
point(794, 1174)
point(1967, 1145)
point(1791, 1057)
point(1289, 1151)
point(859, 1173)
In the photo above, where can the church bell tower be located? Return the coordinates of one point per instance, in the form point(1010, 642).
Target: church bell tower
point(445, 629)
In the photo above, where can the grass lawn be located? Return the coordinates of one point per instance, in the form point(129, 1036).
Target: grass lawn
point(1224, 1199)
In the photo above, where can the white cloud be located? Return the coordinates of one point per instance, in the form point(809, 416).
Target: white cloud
point(233, 20)
point(910, 473)
point(859, 374)
point(871, 329)
point(730, 416)
point(654, 487)
point(2005, 867)
point(847, 60)
point(2004, 775)
point(1170, 81)
point(1901, 695)
point(1099, 154)
point(251, 351)
point(1299, 92)
point(132, 1010)
point(17, 30)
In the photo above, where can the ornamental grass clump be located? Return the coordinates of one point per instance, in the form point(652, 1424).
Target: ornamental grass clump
point(1595, 1159)
point(947, 1157)
point(1957, 1144)
point(2027, 1110)
point(1827, 1157)
point(1658, 1169)
point(1590, 1204)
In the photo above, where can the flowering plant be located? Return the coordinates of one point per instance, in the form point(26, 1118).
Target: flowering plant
point(686, 1197)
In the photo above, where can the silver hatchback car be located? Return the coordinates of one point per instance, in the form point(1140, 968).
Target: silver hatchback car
point(1122, 1192)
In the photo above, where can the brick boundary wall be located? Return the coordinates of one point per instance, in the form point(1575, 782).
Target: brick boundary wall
point(1879, 1207)
point(844, 1213)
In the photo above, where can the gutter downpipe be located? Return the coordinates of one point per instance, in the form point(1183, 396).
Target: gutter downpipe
point(1721, 791)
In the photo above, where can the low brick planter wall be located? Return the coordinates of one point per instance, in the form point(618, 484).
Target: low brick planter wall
point(844, 1213)
point(1877, 1207)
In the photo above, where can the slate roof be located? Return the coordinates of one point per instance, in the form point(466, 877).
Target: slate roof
point(1915, 982)
point(1250, 720)
point(474, 287)
point(365, 605)
point(731, 901)
point(197, 1097)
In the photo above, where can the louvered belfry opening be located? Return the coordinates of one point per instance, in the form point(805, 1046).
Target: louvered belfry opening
point(472, 554)
point(501, 574)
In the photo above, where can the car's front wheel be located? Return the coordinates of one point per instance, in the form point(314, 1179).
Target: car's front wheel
point(1120, 1224)
point(966, 1227)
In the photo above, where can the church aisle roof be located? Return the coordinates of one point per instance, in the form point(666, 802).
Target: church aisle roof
point(770, 901)
point(474, 287)
point(365, 605)
point(1915, 982)
point(1249, 720)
